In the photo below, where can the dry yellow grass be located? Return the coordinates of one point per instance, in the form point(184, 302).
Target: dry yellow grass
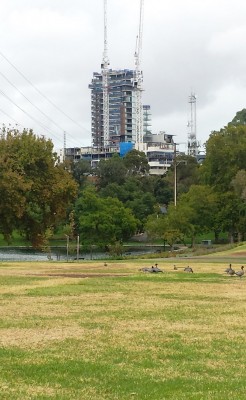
point(52, 309)
point(142, 323)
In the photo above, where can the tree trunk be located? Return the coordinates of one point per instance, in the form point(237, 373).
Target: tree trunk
point(230, 237)
point(216, 236)
point(193, 242)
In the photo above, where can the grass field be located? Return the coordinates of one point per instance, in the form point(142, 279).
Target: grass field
point(88, 331)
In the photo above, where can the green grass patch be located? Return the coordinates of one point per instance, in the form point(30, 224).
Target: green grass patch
point(141, 336)
point(19, 280)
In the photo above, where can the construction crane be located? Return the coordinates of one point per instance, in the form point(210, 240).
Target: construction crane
point(138, 81)
point(105, 81)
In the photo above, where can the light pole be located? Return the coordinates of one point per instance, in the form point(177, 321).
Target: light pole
point(175, 164)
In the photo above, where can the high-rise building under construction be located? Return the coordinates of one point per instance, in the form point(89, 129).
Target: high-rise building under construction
point(122, 108)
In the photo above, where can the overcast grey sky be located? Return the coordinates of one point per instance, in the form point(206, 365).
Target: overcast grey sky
point(191, 45)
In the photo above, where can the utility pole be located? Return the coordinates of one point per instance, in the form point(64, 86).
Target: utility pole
point(175, 165)
point(64, 145)
point(105, 83)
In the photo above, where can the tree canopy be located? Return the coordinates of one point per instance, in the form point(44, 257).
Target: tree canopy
point(239, 119)
point(225, 156)
point(35, 191)
point(136, 163)
point(111, 170)
point(103, 221)
point(120, 197)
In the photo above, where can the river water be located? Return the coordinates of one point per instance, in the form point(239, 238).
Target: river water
point(32, 255)
point(23, 255)
point(59, 254)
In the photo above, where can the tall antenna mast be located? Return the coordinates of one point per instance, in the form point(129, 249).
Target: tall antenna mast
point(192, 142)
point(138, 79)
point(104, 67)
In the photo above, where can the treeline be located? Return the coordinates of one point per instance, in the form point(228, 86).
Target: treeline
point(108, 204)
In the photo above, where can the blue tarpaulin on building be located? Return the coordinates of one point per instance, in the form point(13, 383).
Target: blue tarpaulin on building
point(125, 147)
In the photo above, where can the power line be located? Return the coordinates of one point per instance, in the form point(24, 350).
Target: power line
point(41, 94)
point(37, 108)
point(30, 116)
point(9, 116)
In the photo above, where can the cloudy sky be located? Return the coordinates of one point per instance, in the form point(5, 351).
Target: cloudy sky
point(49, 50)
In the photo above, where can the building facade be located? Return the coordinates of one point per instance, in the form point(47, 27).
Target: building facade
point(146, 120)
point(122, 108)
point(160, 152)
point(158, 148)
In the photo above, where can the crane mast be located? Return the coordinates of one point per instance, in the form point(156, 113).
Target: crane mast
point(105, 88)
point(138, 80)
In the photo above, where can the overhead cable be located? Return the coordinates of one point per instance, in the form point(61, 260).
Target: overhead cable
point(30, 116)
point(37, 108)
point(41, 94)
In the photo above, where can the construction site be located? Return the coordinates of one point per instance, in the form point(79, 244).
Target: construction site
point(120, 121)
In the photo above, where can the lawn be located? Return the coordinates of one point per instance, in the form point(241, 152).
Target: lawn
point(88, 331)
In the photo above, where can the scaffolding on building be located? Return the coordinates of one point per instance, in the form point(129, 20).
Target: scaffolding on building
point(121, 118)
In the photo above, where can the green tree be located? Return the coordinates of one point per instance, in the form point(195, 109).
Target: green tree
point(193, 215)
point(163, 190)
point(239, 184)
point(156, 226)
point(80, 171)
point(172, 226)
point(225, 156)
point(228, 215)
point(142, 206)
point(38, 191)
point(114, 190)
point(136, 163)
point(132, 194)
point(13, 188)
point(180, 220)
point(187, 174)
point(160, 228)
point(239, 119)
point(111, 170)
point(200, 203)
point(239, 188)
point(224, 170)
point(103, 221)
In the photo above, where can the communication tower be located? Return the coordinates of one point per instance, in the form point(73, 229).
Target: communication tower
point(192, 141)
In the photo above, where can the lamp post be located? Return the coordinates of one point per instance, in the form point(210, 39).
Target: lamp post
point(175, 164)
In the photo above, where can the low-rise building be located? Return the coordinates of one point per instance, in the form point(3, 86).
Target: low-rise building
point(159, 150)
